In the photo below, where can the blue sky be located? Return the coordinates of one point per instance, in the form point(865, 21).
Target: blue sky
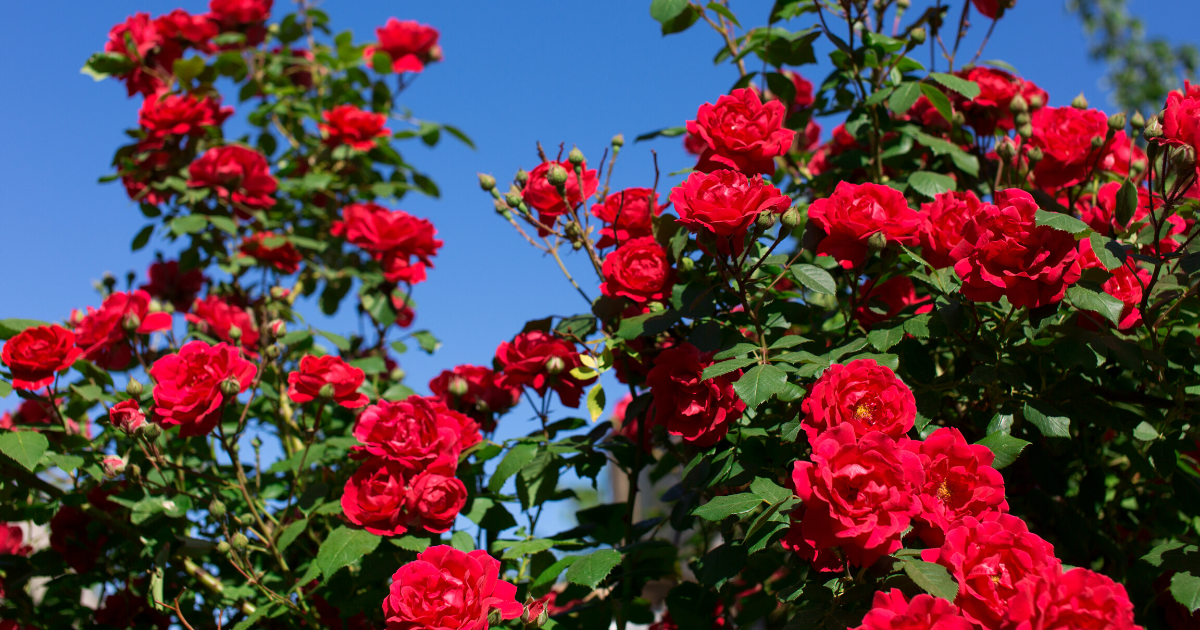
point(514, 73)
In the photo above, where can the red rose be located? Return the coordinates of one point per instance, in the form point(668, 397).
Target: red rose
point(188, 385)
point(989, 557)
point(410, 432)
point(36, 355)
point(127, 416)
point(992, 8)
point(167, 284)
point(1078, 599)
point(959, 482)
point(274, 250)
point(410, 45)
point(854, 213)
point(449, 589)
point(242, 16)
point(216, 317)
point(1181, 118)
point(392, 237)
point(434, 501)
point(863, 395)
point(891, 611)
point(165, 115)
point(80, 538)
point(941, 227)
point(375, 495)
point(187, 30)
point(626, 215)
point(808, 141)
point(1120, 154)
point(542, 361)
point(475, 391)
point(347, 124)
point(990, 109)
point(238, 174)
point(638, 270)
point(1100, 214)
point(1064, 134)
point(153, 57)
point(741, 133)
point(726, 203)
point(126, 609)
point(12, 539)
point(858, 494)
point(30, 412)
point(700, 411)
point(881, 303)
point(542, 196)
point(144, 169)
point(1125, 284)
point(1004, 253)
point(105, 333)
point(804, 90)
point(306, 383)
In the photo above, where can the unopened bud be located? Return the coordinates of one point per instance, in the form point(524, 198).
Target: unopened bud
point(877, 242)
point(576, 245)
point(458, 386)
point(1080, 102)
point(216, 508)
point(958, 119)
point(397, 374)
point(155, 306)
point(917, 36)
point(494, 617)
point(223, 547)
point(131, 322)
point(766, 220)
point(522, 176)
point(1137, 121)
point(686, 264)
point(278, 327)
point(1097, 142)
point(112, 466)
point(278, 293)
point(132, 471)
point(1018, 104)
point(557, 175)
point(235, 333)
point(150, 431)
point(1006, 149)
point(575, 156)
point(500, 206)
point(273, 351)
point(326, 391)
point(1037, 101)
point(542, 617)
point(1025, 131)
point(1153, 129)
point(513, 200)
point(791, 218)
point(1184, 158)
point(487, 182)
point(239, 541)
point(618, 140)
point(133, 388)
point(707, 239)
point(555, 365)
point(1022, 118)
point(656, 307)
point(1116, 122)
point(1034, 155)
point(903, 4)
point(231, 386)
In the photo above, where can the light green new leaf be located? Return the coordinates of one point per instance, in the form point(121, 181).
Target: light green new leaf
point(595, 401)
point(931, 184)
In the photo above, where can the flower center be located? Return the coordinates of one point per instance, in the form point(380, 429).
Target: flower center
point(865, 412)
point(943, 492)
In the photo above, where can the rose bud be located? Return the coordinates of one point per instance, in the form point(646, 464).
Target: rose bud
point(273, 351)
point(223, 547)
point(876, 242)
point(1153, 128)
point(521, 177)
point(278, 327)
point(765, 220)
point(133, 388)
point(1025, 131)
point(235, 333)
point(555, 365)
point(239, 541)
point(131, 322)
point(231, 386)
point(1116, 122)
point(513, 200)
point(556, 176)
point(1018, 105)
point(326, 391)
point(458, 386)
point(575, 157)
point(1035, 155)
point(917, 36)
point(1137, 121)
point(127, 416)
point(113, 466)
point(150, 431)
point(279, 293)
point(618, 140)
point(487, 182)
point(216, 508)
point(1080, 102)
point(686, 264)
point(791, 218)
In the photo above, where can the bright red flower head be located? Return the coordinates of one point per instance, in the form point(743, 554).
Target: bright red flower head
point(315, 373)
point(990, 557)
point(626, 215)
point(36, 355)
point(990, 109)
point(411, 45)
point(741, 133)
point(167, 284)
point(239, 175)
point(881, 303)
point(144, 169)
point(638, 270)
point(392, 237)
point(890, 610)
point(188, 30)
point(164, 115)
point(416, 432)
point(434, 500)
point(1126, 284)
point(347, 124)
point(475, 391)
point(449, 589)
point(942, 222)
point(542, 196)
point(959, 482)
point(804, 90)
point(863, 395)
point(127, 416)
point(858, 492)
point(1064, 134)
point(1004, 253)
point(726, 203)
point(12, 539)
point(375, 497)
point(274, 250)
point(1078, 599)
point(217, 317)
point(542, 361)
point(700, 411)
point(152, 56)
point(104, 333)
point(188, 394)
point(854, 213)
point(242, 16)
point(1181, 118)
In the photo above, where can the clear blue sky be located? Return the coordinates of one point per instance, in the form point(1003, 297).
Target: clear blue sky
point(514, 73)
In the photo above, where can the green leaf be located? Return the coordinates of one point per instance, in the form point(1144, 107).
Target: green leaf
point(1145, 432)
point(1102, 251)
point(768, 490)
point(399, 391)
point(24, 447)
point(174, 507)
point(729, 505)
point(370, 365)
point(789, 341)
point(381, 62)
point(884, 339)
point(965, 162)
point(736, 350)
point(5, 389)
point(939, 100)
point(969, 89)
point(337, 340)
point(760, 384)
point(188, 224)
point(725, 367)
point(669, 132)
point(527, 547)
point(932, 578)
point(516, 459)
point(343, 547)
point(10, 328)
point(550, 575)
point(1060, 221)
point(595, 401)
point(904, 96)
point(429, 344)
point(142, 238)
point(1127, 203)
point(1005, 447)
point(187, 69)
point(1050, 425)
point(931, 184)
point(591, 569)
point(411, 543)
point(664, 11)
point(462, 541)
point(713, 6)
point(290, 533)
point(815, 278)
point(1185, 588)
point(1088, 300)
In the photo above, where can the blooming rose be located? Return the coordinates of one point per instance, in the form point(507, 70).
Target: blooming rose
point(638, 270)
point(126, 609)
point(274, 250)
point(145, 168)
point(475, 391)
point(858, 493)
point(375, 496)
point(80, 538)
point(893, 295)
point(863, 395)
point(392, 237)
point(242, 16)
point(12, 539)
point(1078, 599)
point(187, 30)
point(1181, 118)
point(741, 133)
point(959, 482)
point(1064, 134)
point(1120, 155)
point(216, 317)
point(165, 115)
point(188, 385)
point(542, 196)
point(1004, 253)
point(804, 90)
point(434, 500)
point(990, 109)
point(1125, 284)
point(992, 8)
point(412, 432)
point(152, 56)
point(169, 285)
point(315, 372)
point(808, 141)
point(104, 333)
point(989, 557)
point(127, 415)
point(410, 45)
point(1100, 215)
point(347, 124)
point(240, 175)
point(36, 355)
point(726, 203)
point(698, 410)
point(891, 611)
point(542, 361)
point(854, 213)
point(449, 589)
point(941, 227)
point(626, 215)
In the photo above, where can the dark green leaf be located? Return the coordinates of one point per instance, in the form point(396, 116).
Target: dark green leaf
point(815, 278)
point(723, 506)
point(336, 339)
point(884, 339)
point(669, 132)
point(427, 341)
point(1107, 257)
point(343, 547)
point(969, 89)
point(664, 11)
point(725, 367)
point(289, 533)
point(736, 350)
point(591, 569)
point(904, 96)
point(1185, 588)
point(1106, 305)
point(939, 100)
point(1060, 221)
point(516, 459)
point(1047, 421)
point(1005, 447)
point(143, 237)
point(1127, 203)
point(24, 447)
point(932, 578)
point(768, 490)
point(760, 384)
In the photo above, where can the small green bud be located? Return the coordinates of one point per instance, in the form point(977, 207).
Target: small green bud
point(513, 200)
point(487, 182)
point(522, 176)
point(791, 218)
point(239, 541)
point(397, 374)
point(458, 386)
point(326, 391)
point(133, 388)
point(618, 140)
point(903, 4)
point(231, 386)
point(1097, 142)
point(1018, 105)
point(216, 508)
point(1116, 122)
point(1022, 118)
point(500, 206)
point(766, 220)
point(557, 175)
point(686, 264)
point(1025, 131)
point(223, 547)
point(917, 36)
point(1153, 129)
point(273, 351)
point(131, 322)
point(1034, 155)
point(555, 365)
point(1137, 121)
point(1080, 102)
point(235, 333)
point(494, 617)
point(575, 156)
point(150, 431)
point(876, 242)
point(1006, 149)
point(1037, 101)
point(278, 293)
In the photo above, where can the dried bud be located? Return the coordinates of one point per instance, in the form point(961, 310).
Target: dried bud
point(239, 541)
point(235, 334)
point(458, 386)
point(112, 466)
point(1116, 122)
point(877, 242)
point(791, 218)
point(216, 508)
point(1153, 129)
point(1025, 131)
point(223, 547)
point(1137, 121)
point(131, 322)
point(1080, 102)
point(326, 391)
point(513, 200)
point(555, 365)
point(1034, 155)
point(556, 176)
point(1018, 105)
point(231, 386)
point(917, 36)
point(487, 182)
point(766, 220)
point(133, 388)
point(575, 156)
point(150, 431)
point(618, 140)
point(522, 176)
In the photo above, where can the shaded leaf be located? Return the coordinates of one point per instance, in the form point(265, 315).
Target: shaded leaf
point(343, 547)
point(591, 569)
point(24, 447)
